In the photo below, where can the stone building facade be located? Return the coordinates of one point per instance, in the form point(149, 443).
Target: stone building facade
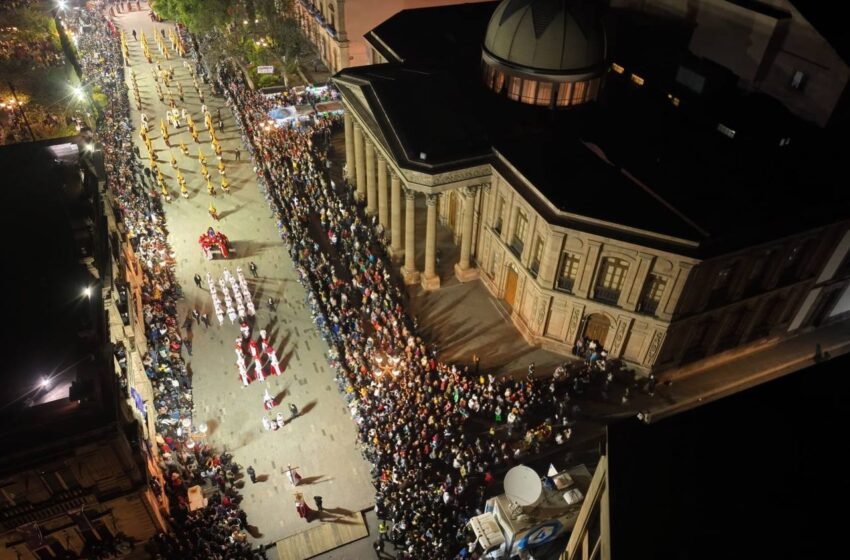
point(656, 297)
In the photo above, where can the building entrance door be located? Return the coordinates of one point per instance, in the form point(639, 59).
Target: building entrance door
point(597, 328)
point(510, 287)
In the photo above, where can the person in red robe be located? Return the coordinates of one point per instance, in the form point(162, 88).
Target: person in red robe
point(304, 511)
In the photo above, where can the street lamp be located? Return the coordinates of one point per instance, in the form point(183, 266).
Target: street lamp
point(62, 4)
point(45, 382)
point(87, 291)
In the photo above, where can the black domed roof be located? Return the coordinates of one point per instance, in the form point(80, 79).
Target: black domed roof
point(548, 36)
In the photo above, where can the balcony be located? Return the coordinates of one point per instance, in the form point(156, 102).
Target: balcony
point(647, 306)
point(516, 247)
point(565, 284)
point(606, 295)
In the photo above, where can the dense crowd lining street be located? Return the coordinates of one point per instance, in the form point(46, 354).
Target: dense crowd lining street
point(438, 435)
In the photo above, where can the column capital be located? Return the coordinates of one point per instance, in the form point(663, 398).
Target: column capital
point(470, 190)
point(431, 199)
point(409, 194)
point(357, 125)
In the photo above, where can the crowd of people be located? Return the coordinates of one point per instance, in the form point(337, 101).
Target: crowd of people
point(216, 530)
point(431, 465)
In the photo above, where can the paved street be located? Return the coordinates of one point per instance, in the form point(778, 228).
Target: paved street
point(321, 441)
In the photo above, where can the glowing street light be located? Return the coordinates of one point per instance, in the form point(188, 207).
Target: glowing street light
point(79, 93)
point(62, 4)
point(87, 291)
point(45, 382)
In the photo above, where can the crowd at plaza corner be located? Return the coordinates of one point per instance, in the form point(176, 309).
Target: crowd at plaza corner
point(433, 465)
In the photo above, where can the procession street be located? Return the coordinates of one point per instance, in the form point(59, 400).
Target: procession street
point(320, 442)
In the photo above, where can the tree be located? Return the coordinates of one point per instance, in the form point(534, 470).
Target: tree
point(200, 16)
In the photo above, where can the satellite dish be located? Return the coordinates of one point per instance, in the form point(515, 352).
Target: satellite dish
point(523, 487)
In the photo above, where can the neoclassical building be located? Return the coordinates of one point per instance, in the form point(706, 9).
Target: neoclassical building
point(601, 177)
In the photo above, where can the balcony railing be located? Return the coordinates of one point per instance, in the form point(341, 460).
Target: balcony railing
point(516, 247)
point(606, 295)
point(565, 284)
point(647, 306)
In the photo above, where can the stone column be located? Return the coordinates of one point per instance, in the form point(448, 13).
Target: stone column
point(359, 162)
point(463, 270)
point(350, 164)
point(383, 207)
point(396, 249)
point(431, 281)
point(371, 188)
point(411, 275)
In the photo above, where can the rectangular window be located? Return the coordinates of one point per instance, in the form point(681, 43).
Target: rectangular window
point(798, 80)
point(725, 130)
point(580, 89)
point(497, 219)
point(652, 293)
point(568, 272)
point(617, 68)
point(53, 482)
point(722, 284)
point(612, 274)
point(514, 87)
point(518, 240)
point(564, 93)
point(544, 93)
point(637, 80)
point(529, 91)
point(498, 81)
point(67, 476)
point(536, 257)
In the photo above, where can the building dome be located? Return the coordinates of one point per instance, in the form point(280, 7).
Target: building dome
point(544, 45)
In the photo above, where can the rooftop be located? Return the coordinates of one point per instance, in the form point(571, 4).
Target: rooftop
point(753, 475)
point(686, 155)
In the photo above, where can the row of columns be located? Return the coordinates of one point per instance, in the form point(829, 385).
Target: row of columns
point(368, 170)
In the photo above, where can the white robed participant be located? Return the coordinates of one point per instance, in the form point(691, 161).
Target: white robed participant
point(275, 364)
point(257, 355)
point(240, 362)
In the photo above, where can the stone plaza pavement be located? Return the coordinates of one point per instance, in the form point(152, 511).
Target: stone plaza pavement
point(321, 441)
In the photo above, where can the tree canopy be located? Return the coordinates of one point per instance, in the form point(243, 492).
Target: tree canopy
point(198, 15)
